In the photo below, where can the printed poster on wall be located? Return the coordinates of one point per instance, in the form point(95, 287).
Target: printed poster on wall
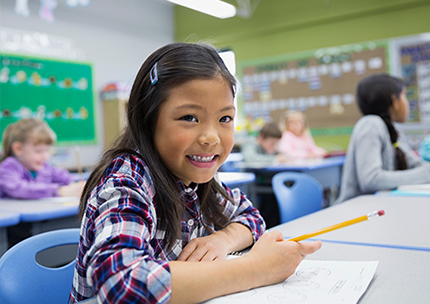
point(411, 62)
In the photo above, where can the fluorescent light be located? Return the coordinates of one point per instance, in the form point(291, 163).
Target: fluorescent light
point(229, 60)
point(214, 8)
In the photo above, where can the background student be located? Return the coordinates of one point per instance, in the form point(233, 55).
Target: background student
point(263, 148)
point(25, 172)
point(378, 157)
point(297, 141)
point(157, 225)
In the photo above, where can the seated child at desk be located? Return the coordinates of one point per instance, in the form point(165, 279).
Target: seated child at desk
point(378, 157)
point(263, 149)
point(157, 225)
point(297, 141)
point(24, 171)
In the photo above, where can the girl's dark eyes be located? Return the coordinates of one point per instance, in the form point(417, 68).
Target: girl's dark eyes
point(226, 119)
point(189, 118)
point(193, 119)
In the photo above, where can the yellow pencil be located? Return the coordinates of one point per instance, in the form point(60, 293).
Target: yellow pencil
point(359, 219)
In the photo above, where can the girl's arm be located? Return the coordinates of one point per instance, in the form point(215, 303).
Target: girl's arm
point(59, 175)
point(314, 149)
point(245, 227)
point(271, 260)
point(216, 246)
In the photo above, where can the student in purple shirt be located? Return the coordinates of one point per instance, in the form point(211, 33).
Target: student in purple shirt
point(24, 171)
point(157, 223)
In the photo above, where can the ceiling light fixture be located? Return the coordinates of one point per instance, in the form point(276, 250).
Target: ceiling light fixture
point(214, 8)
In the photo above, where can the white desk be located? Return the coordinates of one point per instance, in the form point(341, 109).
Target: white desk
point(234, 179)
point(402, 276)
point(404, 225)
point(242, 180)
point(327, 171)
point(399, 240)
point(45, 214)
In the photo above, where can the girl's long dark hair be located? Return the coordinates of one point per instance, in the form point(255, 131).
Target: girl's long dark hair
point(374, 96)
point(177, 63)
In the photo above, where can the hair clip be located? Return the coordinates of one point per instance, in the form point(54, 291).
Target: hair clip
point(153, 74)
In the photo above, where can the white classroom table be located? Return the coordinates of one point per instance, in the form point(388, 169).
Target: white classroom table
point(404, 225)
point(402, 276)
point(328, 171)
point(399, 240)
point(245, 181)
point(45, 214)
point(235, 179)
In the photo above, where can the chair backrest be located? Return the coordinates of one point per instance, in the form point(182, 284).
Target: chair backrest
point(23, 280)
point(298, 194)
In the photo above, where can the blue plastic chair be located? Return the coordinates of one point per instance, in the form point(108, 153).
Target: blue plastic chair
point(23, 280)
point(298, 194)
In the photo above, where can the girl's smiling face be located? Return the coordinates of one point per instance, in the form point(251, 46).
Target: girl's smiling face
point(194, 132)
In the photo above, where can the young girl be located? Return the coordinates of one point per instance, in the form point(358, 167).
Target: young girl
point(157, 225)
point(378, 157)
point(297, 141)
point(24, 172)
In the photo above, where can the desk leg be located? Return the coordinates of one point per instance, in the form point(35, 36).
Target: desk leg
point(3, 240)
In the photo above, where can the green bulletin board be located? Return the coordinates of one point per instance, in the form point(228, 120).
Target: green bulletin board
point(59, 92)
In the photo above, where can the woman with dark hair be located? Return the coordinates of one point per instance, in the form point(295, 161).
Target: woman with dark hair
point(378, 156)
point(157, 225)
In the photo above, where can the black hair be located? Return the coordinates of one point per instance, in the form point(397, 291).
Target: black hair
point(177, 63)
point(271, 130)
point(374, 97)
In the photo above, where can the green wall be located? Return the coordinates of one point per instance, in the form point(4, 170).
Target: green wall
point(286, 26)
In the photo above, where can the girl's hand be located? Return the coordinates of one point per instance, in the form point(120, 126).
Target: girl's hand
point(207, 248)
point(72, 189)
point(274, 259)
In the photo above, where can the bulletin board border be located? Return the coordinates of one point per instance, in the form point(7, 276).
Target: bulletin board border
point(359, 46)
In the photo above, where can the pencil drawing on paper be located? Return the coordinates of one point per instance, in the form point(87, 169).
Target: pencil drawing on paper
point(322, 282)
point(313, 272)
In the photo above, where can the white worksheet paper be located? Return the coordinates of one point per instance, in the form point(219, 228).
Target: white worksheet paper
point(314, 281)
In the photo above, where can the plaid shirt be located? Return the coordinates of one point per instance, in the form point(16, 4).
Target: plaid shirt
point(121, 256)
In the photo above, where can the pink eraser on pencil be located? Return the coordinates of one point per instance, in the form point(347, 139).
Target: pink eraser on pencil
point(381, 212)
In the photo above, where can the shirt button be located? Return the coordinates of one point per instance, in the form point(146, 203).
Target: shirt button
point(190, 222)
